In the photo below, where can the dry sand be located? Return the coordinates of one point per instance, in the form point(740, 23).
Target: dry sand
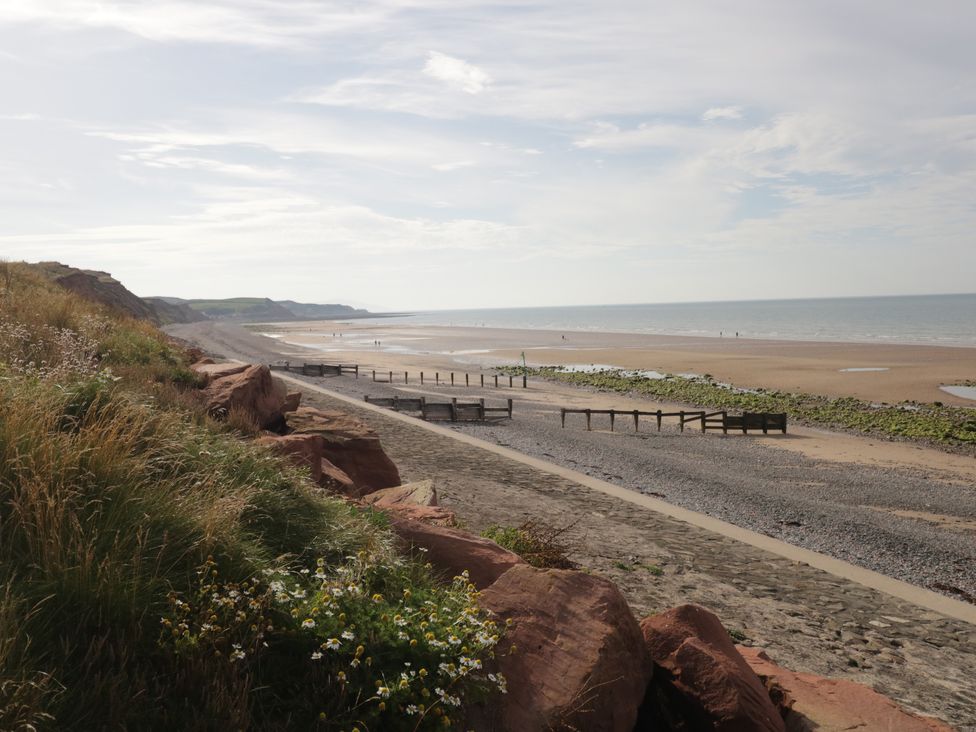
point(913, 372)
point(792, 365)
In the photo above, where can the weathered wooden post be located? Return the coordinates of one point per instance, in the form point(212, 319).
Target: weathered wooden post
point(703, 423)
point(659, 420)
point(562, 416)
point(452, 378)
point(725, 423)
point(612, 417)
point(587, 420)
point(510, 377)
point(525, 381)
point(496, 381)
point(481, 411)
point(437, 378)
point(482, 381)
point(454, 413)
point(374, 374)
point(681, 416)
point(466, 383)
point(406, 378)
point(636, 414)
point(421, 378)
point(509, 408)
point(391, 377)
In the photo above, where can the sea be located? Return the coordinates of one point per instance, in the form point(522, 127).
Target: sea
point(944, 320)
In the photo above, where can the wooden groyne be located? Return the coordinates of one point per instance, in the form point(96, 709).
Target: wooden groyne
point(317, 369)
point(446, 378)
point(452, 411)
point(722, 420)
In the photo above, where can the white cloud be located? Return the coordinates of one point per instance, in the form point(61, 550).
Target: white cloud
point(722, 113)
point(456, 72)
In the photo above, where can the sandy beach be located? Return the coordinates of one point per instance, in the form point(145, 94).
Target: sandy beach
point(876, 372)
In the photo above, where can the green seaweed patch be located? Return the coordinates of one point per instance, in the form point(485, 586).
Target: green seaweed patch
point(933, 423)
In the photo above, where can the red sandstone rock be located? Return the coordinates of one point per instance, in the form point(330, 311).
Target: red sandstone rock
point(813, 703)
point(716, 687)
point(252, 390)
point(304, 450)
point(421, 493)
point(336, 480)
point(579, 660)
point(293, 401)
point(351, 446)
point(436, 515)
point(214, 371)
point(451, 551)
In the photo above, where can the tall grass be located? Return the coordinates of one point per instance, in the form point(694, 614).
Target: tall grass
point(139, 539)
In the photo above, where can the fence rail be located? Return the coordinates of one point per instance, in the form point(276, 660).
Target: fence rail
point(452, 411)
point(389, 377)
point(317, 369)
point(708, 420)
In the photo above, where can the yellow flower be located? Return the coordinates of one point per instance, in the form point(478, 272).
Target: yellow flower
point(382, 706)
point(413, 642)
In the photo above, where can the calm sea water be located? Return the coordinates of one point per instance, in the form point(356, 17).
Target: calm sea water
point(925, 319)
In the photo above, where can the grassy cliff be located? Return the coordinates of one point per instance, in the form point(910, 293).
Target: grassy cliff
point(157, 572)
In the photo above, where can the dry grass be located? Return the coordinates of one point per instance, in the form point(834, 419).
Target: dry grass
point(538, 543)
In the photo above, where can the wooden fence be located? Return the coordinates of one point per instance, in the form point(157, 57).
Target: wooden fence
point(452, 411)
point(317, 369)
point(452, 379)
point(708, 420)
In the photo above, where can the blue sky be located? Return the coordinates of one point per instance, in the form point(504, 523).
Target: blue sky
point(408, 154)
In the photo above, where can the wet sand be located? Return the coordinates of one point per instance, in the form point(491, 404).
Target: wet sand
point(891, 373)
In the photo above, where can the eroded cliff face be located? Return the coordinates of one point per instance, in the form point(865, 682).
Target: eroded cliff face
point(102, 288)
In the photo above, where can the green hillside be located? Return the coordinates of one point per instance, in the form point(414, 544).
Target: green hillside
point(157, 572)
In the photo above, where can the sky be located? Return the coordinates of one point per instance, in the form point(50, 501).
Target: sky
point(427, 154)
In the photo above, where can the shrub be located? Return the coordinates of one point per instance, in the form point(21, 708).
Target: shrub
point(537, 543)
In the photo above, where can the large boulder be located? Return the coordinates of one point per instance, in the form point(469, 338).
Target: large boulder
point(252, 390)
point(214, 371)
point(451, 551)
point(572, 654)
point(350, 445)
point(703, 681)
point(811, 703)
point(303, 450)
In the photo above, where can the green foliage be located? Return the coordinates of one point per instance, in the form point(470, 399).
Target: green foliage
point(115, 490)
point(944, 425)
point(369, 644)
